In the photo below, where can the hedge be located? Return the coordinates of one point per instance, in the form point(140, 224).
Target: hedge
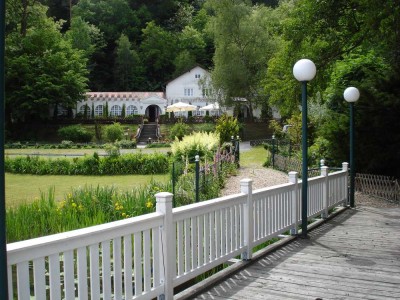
point(127, 164)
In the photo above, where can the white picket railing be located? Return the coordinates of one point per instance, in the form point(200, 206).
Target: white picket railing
point(147, 256)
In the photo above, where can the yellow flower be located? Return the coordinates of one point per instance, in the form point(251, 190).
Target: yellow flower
point(149, 204)
point(73, 204)
point(124, 215)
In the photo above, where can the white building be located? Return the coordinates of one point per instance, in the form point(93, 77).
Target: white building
point(150, 104)
point(192, 87)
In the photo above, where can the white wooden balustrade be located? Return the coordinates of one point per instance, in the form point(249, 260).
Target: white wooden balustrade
point(147, 256)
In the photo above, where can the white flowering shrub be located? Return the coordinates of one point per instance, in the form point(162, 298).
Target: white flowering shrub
point(199, 143)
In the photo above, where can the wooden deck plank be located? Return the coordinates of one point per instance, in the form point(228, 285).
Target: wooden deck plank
point(356, 255)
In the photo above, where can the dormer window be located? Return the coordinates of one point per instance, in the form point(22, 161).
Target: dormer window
point(196, 75)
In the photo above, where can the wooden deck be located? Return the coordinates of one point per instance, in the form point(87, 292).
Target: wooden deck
point(355, 255)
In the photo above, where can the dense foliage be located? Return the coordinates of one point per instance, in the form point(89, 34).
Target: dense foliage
point(75, 133)
point(250, 48)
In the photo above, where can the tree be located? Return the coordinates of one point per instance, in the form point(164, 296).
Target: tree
point(85, 36)
point(353, 43)
point(158, 50)
point(128, 70)
point(43, 70)
point(244, 42)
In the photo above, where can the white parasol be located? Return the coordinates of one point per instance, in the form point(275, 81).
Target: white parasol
point(180, 106)
point(213, 106)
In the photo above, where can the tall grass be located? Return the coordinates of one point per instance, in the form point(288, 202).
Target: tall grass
point(82, 207)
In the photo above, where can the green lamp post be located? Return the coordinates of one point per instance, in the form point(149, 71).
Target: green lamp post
point(351, 95)
point(304, 70)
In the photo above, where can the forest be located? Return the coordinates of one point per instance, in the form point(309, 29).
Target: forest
point(57, 50)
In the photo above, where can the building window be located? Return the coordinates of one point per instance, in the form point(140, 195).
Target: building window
point(196, 75)
point(98, 111)
point(82, 110)
point(115, 111)
point(131, 110)
point(198, 112)
point(206, 92)
point(188, 92)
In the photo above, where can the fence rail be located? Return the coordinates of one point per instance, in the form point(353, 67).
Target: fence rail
point(378, 185)
point(147, 256)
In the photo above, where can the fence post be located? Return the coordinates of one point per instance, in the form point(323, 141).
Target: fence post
point(237, 152)
point(173, 184)
point(197, 175)
point(345, 167)
point(273, 151)
point(325, 191)
point(247, 188)
point(167, 245)
point(294, 178)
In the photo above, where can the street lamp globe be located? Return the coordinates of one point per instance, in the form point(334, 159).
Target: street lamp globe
point(351, 94)
point(304, 70)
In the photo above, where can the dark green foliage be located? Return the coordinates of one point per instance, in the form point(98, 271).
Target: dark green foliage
point(227, 127)
point(114, 132)
point(179, 130)
point(75, 133)
point(137, 163)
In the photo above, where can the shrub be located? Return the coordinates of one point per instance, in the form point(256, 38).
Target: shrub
point(179, 130)
point(126, 144)
point(112, 150)
point(137, 163)
point(75, 133)
point(201, 143)
point(65, 145)
point(114, 132)
point(227, 127)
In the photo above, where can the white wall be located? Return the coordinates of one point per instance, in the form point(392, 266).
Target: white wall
point(175, 89)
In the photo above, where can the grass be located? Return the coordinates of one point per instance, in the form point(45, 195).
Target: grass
point(255, 157)
point(26, 188)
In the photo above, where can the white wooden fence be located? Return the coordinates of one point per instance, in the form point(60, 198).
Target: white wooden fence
point(147, 256)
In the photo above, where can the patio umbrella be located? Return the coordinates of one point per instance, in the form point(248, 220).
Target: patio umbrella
point(180, 106)
point(213, 106)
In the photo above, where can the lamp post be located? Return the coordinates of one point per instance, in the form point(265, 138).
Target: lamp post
point(3, 242)
point(351, 95)
point(304, 70)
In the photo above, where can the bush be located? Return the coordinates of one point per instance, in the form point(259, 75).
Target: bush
point(75, 133)
point(179, 130)
point(201, 143)
point(114, 132)
point(227, 127)
point(126, 144)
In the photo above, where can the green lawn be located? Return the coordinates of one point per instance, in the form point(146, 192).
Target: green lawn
point(22, 188)
point(253, 158)
point(25, 188)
